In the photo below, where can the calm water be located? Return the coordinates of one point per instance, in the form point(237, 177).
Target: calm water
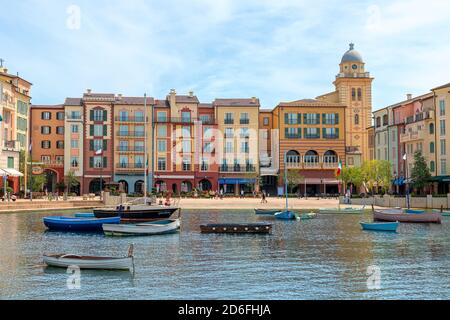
point(325, 258)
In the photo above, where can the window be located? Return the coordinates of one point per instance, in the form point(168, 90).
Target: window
point(22, 124)
point(293, 133)
point(162, 131)
point(186, 164)
point(162, 116)
point(357, 119)
point(432, 166)
point(46, 116)
point(330, 133)
point(123, 162)
point(139, 131)
point(431, 147)
point(59, 159)
point(292, 118)
point(60, 144)
point(378, 122)
point(59, 130)
point(74, 162)
point(162, 164)
point(10, 162)
point(123, 116)
point(98, 162)
point(75, 115)
point(186, 132)
point(205, 118)
point(442, 127)
point(139, 146)
point(60, 115)
point(353, 94)
point(229, 133)
point(22, 107)
point(245, 147)
point(245, 134)
point(229, 118)
point(186, 116)
point(443, 166)
point(98, 130)
point(312, 133)
point(139, 116)
point(207, 133)
point(244, 118)
point(123, 145)
point(46, 159)
point(443, 147)
point(97, 145)
point(186, 146)
point(204, 165)
point(229, 147)
point(266, 121)
point(208, 147)
point(98, 115)
point(162, 145)
point(431, 128)
point(46, 144)
point(74, 128)
point(359, 94)
point(351, 161)
point(139, 161)
point(312, 118)
point(46, 130)
point(74, 144)
point(330, 118)
point(385, 120)
point(442, 107)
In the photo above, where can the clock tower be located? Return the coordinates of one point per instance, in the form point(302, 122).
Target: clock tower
point(354, 89)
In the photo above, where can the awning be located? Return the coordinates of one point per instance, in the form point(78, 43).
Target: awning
point(399, 182)
point(237, 181)
point(10, 173)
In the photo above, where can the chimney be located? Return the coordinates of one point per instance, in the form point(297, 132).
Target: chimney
point(254, 100)
point(172, 97)
point(89, 91)
point(119, 96)
point(191, 93)
point(409, 96)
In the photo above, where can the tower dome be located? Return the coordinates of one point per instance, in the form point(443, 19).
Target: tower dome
point(352, 55)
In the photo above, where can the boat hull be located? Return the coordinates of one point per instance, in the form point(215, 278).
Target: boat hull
point(251, 228)
point(444, 213)
point(84, 215)
point(148, 229)
point(78, 224)
point(136, 216)
point(285, 215)
point(90, 263)
point(341, 211)
point(308, 216)
point(387, 226)
point(266, 211)
point(391, 216)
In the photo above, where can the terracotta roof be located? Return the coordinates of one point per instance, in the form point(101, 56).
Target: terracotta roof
point(310, 103)
point(134, 101)
point(266, 110)
point(99, 95)
point(422, 97)
point(185, 99)
point(205, 105)
point(442, 87)
point(73, 102)
point(237, 102)
point(162, 104)
point(42, 106)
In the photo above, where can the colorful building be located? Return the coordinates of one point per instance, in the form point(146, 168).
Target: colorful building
point(14, 111)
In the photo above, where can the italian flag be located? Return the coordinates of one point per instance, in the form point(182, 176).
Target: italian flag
point(339, 170)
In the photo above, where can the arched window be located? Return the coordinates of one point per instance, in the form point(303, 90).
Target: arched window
point(311, 157)
point(292, 157)
point(353, 94)
point(431, 147)
point(431, 128)
point(378, 122)
point(432, 166)
point(356, 119)
point(359, 94)
point(330, 157)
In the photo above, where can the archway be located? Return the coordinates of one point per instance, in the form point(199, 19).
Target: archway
point(330, 157)
point(161, 186)
point(174, 188)
point(139, 187)
point(186, 186)
point(205, 185)
point(51, 180)
point(124, 186)
point(311, 157)
point(94, 186)
point(292, 156)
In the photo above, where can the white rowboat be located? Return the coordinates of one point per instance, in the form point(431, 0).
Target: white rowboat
point(143, 229)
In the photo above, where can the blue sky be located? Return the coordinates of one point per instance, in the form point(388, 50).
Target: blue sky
point(279, 50)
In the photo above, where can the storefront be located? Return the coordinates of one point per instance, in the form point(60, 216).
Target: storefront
point(233, 186)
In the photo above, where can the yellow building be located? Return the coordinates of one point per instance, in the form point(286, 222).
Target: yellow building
point(15, 111)
point(354, 90)
point(238, 144)
point(312, 141)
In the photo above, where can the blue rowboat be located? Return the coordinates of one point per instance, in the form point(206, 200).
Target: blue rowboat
point(84, 215)
point(381, 226)
point(266, 211)
point(286, 215)
point(410, 211)
point(78, 224)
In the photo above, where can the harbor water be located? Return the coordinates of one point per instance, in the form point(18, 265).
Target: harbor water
point(325, 258)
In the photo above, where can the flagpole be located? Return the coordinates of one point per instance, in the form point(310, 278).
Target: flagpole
point(145, 148)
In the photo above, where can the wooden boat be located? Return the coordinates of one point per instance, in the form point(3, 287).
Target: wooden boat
point(244, 228)
point(91, 262)
point(380, 226)
point(285, 215)
point(144, 229)
point(443, 213)
point(266, 211)
point(342, 210)
point(136, 213)
point(400, 216)
point(78, 224)
point(308, 216)
point(84, 215)
point(410, 211)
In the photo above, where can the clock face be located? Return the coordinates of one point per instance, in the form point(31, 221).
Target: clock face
point(354, 67)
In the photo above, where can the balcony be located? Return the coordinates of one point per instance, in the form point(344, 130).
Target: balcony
point(186, 121)
point(297, 162)
point(130, 149)
point(130, 166)
point(74, 118)
point(238, 168)
point(411, 136)
point(130, 119)
point(11, 145)
point(419, 117)
point(131, 134)
point(244, 121)
point(53, 163)
point(228, 121)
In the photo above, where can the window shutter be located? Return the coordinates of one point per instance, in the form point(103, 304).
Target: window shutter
point(286, 132)
point(92, 115)
point(286, 118)
point(91, 145)
point(337, 133)
point(337, 118)
point(324, 133)
point(324, 118)
point(299, 132)
point(299, 118)
point(91, 162)
point(105, 130)
point(305, 118)
point(105, 115)
point(105, 162)
point(91, 130)
point(318, 118)
point(105, 145)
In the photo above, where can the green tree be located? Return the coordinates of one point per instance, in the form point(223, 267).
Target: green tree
point(38, 183)
point(71, 180)
point(377, 173)
point(294, 178)
point(22, 168)
point(352, 175)
point(420, 174)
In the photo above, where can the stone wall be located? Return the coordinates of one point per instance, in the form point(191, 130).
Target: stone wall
point(428, 202)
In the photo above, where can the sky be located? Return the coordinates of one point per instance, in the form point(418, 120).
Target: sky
point(276, 50)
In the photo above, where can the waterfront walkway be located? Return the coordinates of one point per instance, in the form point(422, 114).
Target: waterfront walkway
point(23, 205)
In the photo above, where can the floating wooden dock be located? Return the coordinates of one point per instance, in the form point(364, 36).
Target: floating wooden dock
point(237, 228)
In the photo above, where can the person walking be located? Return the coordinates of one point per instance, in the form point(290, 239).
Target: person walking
point(263, 198)
point(242, 194)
